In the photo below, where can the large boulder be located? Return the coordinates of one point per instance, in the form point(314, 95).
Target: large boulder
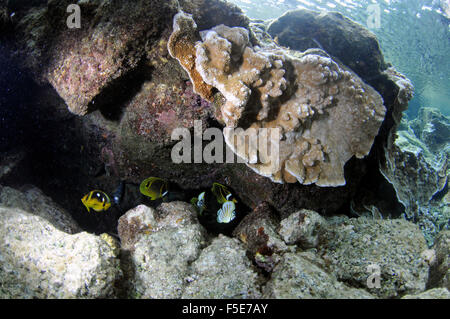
point(39, 261)
point(159, 246)
point(302, 276)
point(356, 249)
point(341, 37)
point(223, 271)
point(34, 201)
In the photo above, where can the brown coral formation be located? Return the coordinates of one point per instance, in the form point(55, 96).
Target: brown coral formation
point(181, 46)
point(325, 113)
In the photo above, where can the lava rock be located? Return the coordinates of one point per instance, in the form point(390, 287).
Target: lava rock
point(354, 45)
point(159, 247)
point(302, 228)
point(258, 233)
point(135, 222)
point(222, 271)
point(40, 261)
point(352, 246)
point(301, 275)
point(34, 201)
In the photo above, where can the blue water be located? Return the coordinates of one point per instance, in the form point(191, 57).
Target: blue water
point(414, 36)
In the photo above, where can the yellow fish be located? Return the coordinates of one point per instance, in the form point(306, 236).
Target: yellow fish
point(154, 187)
point(97, 200)
point(222, 193)
point(227, 213)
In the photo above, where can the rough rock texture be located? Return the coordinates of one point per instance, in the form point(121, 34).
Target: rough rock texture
point(302, 276)
point(39, 261)
point(37, 203)
point(209, 13)
point(350, 246)
point(82, 63)
point(436, 293)
point(349, 41)
point(159, 247)
point(439, 270)
point(135, 222)
point(258, 232)
point(315, 103)
point(417, 165)
point(302, 228)
point(222, 271)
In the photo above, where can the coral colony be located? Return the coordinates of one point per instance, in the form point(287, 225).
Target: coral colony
point(326, 113)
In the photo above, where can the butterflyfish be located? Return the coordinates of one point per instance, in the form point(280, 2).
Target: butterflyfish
point(199, 202)
point(222, 193)
point(154, 187)
point(227, 213)
point(97, 200)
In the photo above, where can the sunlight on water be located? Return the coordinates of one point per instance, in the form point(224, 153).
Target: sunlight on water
point(414, 36)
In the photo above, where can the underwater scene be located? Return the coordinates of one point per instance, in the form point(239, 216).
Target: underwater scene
point(212, 149)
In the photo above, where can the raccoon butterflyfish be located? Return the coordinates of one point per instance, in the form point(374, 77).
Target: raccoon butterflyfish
point(154, 187)
point(227, 213)
point(97, 200)
point(199, 202)
point(222, 193)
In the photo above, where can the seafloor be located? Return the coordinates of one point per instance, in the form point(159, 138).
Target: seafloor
point(358, 206)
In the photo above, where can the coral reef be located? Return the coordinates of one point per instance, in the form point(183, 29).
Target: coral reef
point(181, 46)
point(135, 73)
point(325, 112)
point(417, 166)
point(166, 253)
point(137, 111)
